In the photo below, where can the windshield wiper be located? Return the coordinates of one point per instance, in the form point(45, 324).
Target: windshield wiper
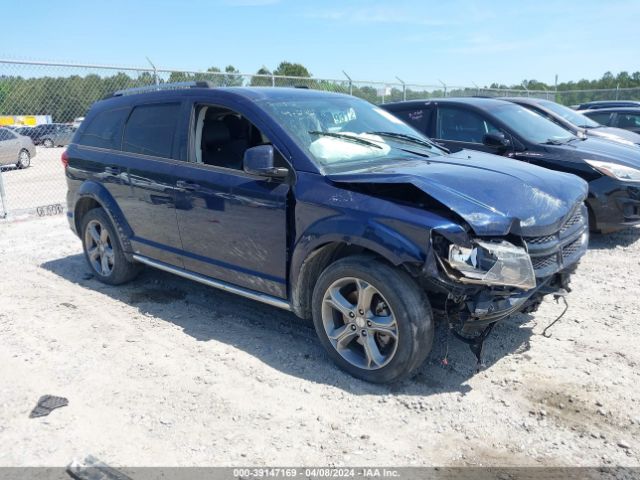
point(555, 141)
point(348, 138)
point(404, 136)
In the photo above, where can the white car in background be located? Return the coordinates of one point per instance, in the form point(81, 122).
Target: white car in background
point(15, 149)
point(77, 122)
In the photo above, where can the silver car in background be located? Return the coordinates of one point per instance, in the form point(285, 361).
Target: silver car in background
point(15, 149)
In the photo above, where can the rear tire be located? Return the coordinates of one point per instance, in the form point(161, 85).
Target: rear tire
point(373, 319)
point(24, 159)
point(103, 250)
point(48, 143)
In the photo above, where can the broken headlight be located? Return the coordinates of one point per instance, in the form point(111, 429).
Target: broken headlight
point(493, 264)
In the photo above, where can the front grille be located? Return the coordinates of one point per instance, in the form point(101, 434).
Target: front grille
point(552, 253)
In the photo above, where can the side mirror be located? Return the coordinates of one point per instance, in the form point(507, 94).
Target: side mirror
point(259, 161)
point(497, 141)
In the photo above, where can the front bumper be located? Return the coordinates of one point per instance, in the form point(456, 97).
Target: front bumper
point(615, 204)
point(554, 258)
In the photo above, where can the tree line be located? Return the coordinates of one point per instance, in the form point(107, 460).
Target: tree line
point(68, 97)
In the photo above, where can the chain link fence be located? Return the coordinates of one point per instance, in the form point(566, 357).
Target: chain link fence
point(33, 93)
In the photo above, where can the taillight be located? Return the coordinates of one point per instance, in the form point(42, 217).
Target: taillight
point(64, 158)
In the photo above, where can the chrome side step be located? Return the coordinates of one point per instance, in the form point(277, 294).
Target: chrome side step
point(243, 292)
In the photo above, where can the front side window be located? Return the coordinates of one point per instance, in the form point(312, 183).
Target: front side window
point(104, 130)
point(462, 125)
point(223, 135)
point(628, 120)
point(341, 132)
point(150, 129)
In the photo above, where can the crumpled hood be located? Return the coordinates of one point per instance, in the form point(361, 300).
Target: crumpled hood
point(493, 194)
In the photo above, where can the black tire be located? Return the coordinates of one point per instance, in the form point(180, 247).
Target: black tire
point(48, 143)
point(119, 270)
point(24, 159)
point(406, 302)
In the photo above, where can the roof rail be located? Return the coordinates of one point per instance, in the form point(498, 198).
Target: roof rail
point(162, 86)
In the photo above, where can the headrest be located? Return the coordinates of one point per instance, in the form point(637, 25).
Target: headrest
point(215, 132)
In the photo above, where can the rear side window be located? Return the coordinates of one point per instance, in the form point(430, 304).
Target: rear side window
point(104, 130)
point(4, 134)
point(418, 118)
point(151, 128)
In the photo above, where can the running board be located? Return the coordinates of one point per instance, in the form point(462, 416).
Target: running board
point(227, 287)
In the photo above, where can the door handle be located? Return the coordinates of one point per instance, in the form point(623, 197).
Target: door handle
point(183, 184)
point(113, 170)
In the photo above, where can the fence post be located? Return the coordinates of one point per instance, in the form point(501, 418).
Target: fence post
point(273, 80)
point(155, 71)
point(445, 87)
point(3, 200)
point(350, 83)
point(617, 90)
point(404, 89)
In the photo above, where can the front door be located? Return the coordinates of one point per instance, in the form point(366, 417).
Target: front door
point(233, 225)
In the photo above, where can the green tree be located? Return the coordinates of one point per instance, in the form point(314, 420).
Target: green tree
point(261, 81)
point(288, 69)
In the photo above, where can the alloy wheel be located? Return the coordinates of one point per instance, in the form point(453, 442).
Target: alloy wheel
point(99, 248)
point(360, 323)
point(24, 159)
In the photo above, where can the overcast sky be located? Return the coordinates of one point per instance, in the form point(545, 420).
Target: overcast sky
point(458, 42)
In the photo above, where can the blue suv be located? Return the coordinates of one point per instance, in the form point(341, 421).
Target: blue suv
point(324, 205)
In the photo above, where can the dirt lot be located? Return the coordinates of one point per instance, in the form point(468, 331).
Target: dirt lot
point(41, 184)
point(168, 372)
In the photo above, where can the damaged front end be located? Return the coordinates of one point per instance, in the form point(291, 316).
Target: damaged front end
point(475, 282)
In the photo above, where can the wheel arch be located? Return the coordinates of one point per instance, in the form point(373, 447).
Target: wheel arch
point(307, 266)
point(93, 195)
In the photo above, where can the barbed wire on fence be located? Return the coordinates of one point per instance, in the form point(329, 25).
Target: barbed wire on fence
point(63, 92)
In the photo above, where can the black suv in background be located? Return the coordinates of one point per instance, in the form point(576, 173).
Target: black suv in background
point(504, 128)
point(325, 205)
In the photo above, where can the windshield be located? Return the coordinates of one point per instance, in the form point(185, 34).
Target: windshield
point(570, 115)
point(341, 131)
point(531, 126)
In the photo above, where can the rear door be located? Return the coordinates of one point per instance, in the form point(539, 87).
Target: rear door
point(233, 225)
point(148, 160)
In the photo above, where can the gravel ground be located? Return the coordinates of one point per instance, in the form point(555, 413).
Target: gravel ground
point(167, 372)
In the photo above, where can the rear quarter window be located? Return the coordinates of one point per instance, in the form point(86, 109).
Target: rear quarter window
point(418, 118)
point(151, 128)
point(104, 130)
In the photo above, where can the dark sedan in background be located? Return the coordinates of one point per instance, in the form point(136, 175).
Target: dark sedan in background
point(575, 122)
point(504, 128)
point(607, 104)
point(626, 118)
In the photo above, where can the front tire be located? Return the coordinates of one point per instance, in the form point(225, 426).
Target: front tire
point(373, 319)
point(103, 251)
point(24, 159)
